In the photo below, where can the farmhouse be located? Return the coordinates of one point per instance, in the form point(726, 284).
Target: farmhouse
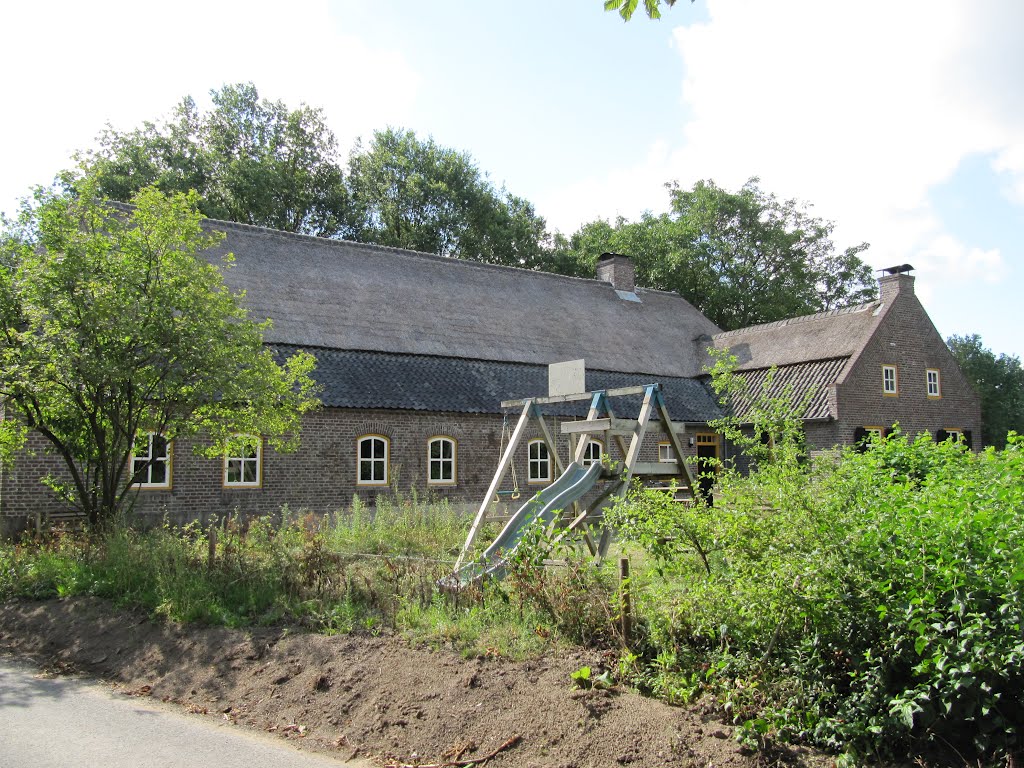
point(415, 354)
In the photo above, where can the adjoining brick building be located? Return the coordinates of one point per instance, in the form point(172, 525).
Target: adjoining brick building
point(862, 369)
point(415, 353)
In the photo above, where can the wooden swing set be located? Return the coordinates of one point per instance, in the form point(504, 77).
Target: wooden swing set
point(627, 434)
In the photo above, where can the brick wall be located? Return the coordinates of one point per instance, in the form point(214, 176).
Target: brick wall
point(907, 339)
point(320, 476)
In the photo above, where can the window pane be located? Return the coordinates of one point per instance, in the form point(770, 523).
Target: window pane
point(435, 449)
point(446, 448)
point(234, 470)
point(378, 449)
point(366, 449)
point(378, 471)
point(435, 470)
point(158, 473)
point(159, 446)
point(249, 471)
point(366, 471)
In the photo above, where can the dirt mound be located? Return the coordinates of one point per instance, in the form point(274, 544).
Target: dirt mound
point(375, 697)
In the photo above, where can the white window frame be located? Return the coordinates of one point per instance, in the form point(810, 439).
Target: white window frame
point(588, 458)
point(442, 462)
point(151, 462)
point(895, 389)
point(240, 458)
point(955, 434)
point(665, 453)
point(539, 467)
point(933, 377)
point(874, 432)
point(374, 461)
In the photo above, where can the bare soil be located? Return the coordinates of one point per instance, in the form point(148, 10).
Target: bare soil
point(377, 698)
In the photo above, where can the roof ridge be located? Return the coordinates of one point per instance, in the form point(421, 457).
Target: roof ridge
point(852, 309)
point(423, 255)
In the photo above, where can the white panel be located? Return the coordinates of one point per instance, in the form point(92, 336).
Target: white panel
point(568, 378)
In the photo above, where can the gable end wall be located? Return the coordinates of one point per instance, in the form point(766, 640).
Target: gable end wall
point(905, 337)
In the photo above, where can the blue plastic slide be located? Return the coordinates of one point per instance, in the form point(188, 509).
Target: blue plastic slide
point(573, 484)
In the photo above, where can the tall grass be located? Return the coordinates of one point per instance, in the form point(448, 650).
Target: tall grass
point(374, 569)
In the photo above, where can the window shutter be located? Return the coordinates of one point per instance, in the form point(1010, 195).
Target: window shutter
point(860, 439)
point(888, 431)
point(967, 439)
point(941, 435)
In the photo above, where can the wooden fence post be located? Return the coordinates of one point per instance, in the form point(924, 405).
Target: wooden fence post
point(626, 605)
point(211, 559)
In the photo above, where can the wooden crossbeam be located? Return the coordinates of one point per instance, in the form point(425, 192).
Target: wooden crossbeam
point(616, 426)
point(621, 392)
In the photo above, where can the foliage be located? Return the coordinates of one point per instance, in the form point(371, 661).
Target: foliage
point(114, 326)
point(741, 258)
point(864, 602)
point(999, 381)
point(411, 193)
point(627, 8)
point(251, 160)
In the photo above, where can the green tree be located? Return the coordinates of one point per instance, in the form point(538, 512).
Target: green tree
point(999, 382)
point(251, 160)
point(627, 8)
point(411, 193)
point(741, 258)
point(115, 326)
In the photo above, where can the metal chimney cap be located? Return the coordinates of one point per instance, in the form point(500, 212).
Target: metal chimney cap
point(897, 270)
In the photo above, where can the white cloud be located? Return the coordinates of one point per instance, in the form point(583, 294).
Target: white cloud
point(863, 110)
point(87, 64)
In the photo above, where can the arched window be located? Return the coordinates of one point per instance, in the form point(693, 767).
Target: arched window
point(441, 458)
point(592, 455)
point(540, 462)
point(373, 454)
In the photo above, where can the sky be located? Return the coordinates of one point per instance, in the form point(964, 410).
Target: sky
point(901, 122)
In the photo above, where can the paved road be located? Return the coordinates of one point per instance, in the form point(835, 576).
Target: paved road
point(67, 723)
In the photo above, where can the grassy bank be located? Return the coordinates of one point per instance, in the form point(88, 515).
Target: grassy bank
point(868, 603)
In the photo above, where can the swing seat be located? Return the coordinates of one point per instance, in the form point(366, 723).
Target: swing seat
point(502, 495)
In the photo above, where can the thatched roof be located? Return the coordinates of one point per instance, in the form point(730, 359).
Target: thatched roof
point(351, 296)
point(840, 333)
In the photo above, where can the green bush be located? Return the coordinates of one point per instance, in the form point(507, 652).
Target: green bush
point(867, 602)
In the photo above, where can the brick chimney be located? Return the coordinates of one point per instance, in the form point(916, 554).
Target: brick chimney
point(618, 270)
point(895, 281)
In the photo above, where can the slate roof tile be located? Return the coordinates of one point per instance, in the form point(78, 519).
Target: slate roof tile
point(363, 379)
point(807, 382)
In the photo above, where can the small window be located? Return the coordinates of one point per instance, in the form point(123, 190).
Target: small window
point(539, 461)
point(441, 461)
point(243, 463)
point(890, 380)
point(665, 454)
point(864, 436)
point(934, 383)
point(373, 460)
point(953, 433)
point(151, 461)
point(592, 454)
